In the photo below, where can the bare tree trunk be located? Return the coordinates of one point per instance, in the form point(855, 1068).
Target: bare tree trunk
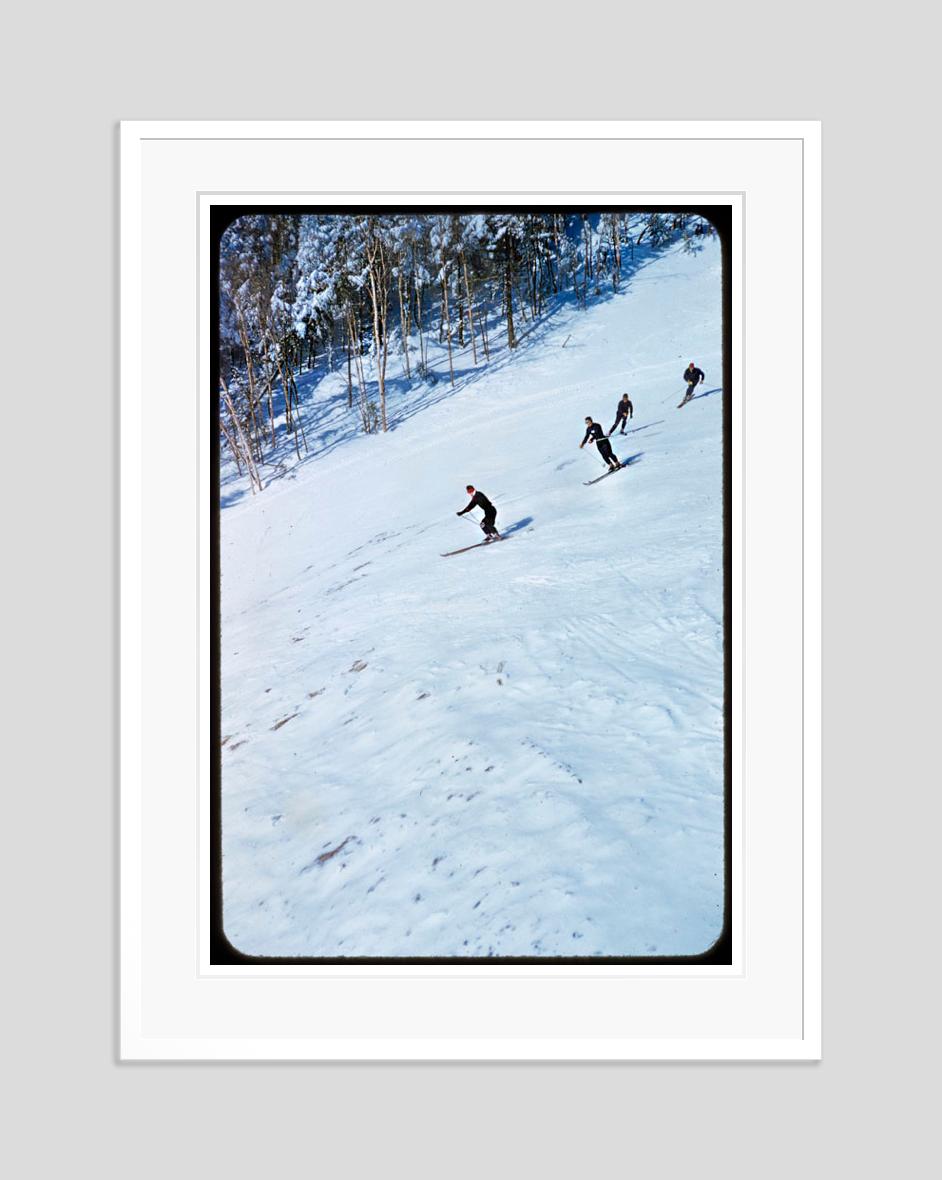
point(509, 290)
point(270, 399)
point(586, 260)
point(423, 343)
point(230, 442)
point(254, 477)
point(379, 297)
point(250, 376)
point(554, 270)
point(362, 398)
point(346, 334)
point(264, 335)
point(445, 318)
point(404, 324)
point(287, 381)
point(300, 420)
point(467, 292)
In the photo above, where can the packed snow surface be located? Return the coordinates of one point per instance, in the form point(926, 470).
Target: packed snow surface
point(517, 750)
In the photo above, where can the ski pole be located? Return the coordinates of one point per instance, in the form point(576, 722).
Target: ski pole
point(473, 520)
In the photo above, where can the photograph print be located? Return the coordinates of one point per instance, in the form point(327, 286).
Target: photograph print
point(471, 585)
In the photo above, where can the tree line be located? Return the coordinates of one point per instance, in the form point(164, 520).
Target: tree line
point(349, 289)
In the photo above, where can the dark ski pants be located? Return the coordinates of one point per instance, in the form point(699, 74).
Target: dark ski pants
point(623, 419)
point(487, 524)
point(690, 388)
point(605, 450)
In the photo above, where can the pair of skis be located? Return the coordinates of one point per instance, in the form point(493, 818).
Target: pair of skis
point(479, 545)
point(611, 471)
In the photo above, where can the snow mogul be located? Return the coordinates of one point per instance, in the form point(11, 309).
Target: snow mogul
point(479, 500)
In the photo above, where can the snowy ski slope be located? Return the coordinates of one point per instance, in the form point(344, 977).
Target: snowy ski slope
point(517, 750)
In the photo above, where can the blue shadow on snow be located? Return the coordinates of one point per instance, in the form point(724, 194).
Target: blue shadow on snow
point(647, 426)
point(631, 460)
point(516, 526)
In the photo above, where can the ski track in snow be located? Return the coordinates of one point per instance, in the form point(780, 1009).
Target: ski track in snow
point(517, 750)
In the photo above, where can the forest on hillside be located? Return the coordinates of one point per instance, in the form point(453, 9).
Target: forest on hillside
point(353, 291)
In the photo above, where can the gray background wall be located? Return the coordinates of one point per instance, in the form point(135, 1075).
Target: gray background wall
point(72, 72)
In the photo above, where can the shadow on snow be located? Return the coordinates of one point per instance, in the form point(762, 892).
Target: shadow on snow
point(647, 426)
point(517, 526)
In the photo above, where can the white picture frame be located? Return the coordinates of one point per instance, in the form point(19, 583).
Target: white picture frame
point(174, 1003)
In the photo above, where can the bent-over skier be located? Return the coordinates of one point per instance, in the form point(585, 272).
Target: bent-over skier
point(623, 411)
point(595, 433)
point(479, 500)
point(693, 376)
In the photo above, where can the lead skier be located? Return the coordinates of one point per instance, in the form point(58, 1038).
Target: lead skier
point(595, 433)
point(479, 500)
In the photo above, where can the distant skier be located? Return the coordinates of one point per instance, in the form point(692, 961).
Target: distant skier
point(623, 411)
point(693, 376)
point(479, 500)
point(595, 433)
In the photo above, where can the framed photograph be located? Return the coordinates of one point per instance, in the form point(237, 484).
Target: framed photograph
point(545, 787)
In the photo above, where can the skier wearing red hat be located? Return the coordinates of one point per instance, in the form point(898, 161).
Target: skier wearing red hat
point(479, 500)
point(693, 376)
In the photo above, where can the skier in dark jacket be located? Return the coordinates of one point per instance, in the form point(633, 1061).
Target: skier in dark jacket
point(479, 500)
point(595, 433)
point(623, 411)
point(693, 376)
